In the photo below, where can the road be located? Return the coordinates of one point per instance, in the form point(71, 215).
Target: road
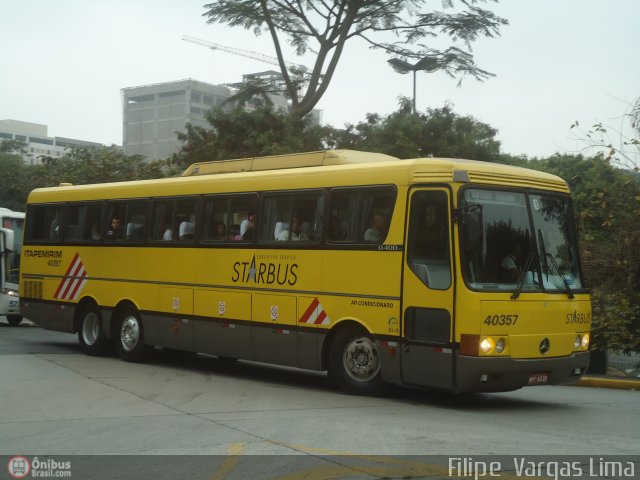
point(57, 401)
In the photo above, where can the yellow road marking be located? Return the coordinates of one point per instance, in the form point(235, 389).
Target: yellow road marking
point(234, 450)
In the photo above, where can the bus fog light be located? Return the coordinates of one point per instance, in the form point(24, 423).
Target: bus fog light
point(500, 345)
point(585, 341)
point(486, 345)
point(577, 342)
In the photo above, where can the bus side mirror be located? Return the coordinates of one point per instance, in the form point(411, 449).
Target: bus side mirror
point(8, 239)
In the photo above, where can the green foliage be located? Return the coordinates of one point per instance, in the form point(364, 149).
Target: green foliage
point(95, 165)
point(79, 166)
point(438, 132)
point(238, 134)
point(14, 178)
point(324, 27)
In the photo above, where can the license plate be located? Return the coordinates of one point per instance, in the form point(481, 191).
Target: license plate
point(539, 378)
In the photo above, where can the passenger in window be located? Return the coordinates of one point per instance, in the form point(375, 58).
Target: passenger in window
point(247, 228)
point(375, 232)
point(54, 229)
point(335, 230)
point(432, 238)
point(187, 230)
point(115, 231)
point(165, 228)
point(220, 233)
point(510, 264)
point(296, 232)
point(95, 231)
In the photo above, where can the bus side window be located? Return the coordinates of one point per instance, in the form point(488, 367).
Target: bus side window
point(359, 215)
point(428, 247)
point(136, 221)
point(162, 217)
point(44, 223)
point(186, 219)
point(293, 217)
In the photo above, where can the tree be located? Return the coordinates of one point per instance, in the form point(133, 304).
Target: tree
point(13, 189)
point(78, 166)
point(438, 132)
point(620, 144)
point(238, 134)
point(323, 28)
point(95, 165)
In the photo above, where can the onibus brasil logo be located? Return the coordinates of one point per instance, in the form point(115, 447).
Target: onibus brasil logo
point(21, 467)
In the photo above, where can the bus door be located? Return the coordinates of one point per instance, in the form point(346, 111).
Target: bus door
point(427, 355)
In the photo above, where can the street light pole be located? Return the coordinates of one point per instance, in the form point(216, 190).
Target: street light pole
point(414, 92)
point(428, 63)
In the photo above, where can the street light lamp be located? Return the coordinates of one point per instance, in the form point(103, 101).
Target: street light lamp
point(427, 64)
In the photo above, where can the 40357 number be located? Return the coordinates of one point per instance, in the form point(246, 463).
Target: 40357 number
point(501, 320)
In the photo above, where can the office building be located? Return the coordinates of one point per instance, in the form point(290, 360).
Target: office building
point(153, 114)
point(38, 143)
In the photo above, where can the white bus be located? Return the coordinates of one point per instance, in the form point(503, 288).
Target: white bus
point(11, 228)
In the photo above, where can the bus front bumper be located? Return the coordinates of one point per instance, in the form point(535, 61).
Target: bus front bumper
point(490, 374)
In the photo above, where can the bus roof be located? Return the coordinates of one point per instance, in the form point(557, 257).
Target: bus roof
point(5, 212)
point(280, 162)
point(309, 170)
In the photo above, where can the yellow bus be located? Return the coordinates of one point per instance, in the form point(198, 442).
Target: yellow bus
point(442, 273)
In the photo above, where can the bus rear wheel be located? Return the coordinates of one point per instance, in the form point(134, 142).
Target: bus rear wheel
point(14, 320)
point(355, 364)
point(130, 338)
point(91, 335)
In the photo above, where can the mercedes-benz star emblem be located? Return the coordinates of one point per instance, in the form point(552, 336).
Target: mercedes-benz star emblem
point(545, 344)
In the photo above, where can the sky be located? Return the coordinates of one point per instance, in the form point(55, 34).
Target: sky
point(65, 62)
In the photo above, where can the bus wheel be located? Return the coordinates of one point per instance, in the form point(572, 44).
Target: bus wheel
point(91, 337)
point(130, 338)
point(14, 320)
point(355, 363)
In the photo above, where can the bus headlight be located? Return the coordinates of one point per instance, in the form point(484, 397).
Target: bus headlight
point(487, 345)
point(10, 292)
point(577, 342)
point(585, 341)
point(500, 345)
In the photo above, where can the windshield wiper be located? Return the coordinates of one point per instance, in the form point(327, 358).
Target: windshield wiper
point(564, 279)
point(523, 274)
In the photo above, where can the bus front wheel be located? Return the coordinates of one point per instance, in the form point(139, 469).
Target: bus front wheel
point(355, 363)
point(91, 335)
point(14, 320)
point(130, 339)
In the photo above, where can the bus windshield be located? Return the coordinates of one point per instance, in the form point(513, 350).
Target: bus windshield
point(516, 241)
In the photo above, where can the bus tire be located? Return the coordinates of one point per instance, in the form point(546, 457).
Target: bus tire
point(91, 334)
point(130, 337)
point(355, 363)
point(14, 320)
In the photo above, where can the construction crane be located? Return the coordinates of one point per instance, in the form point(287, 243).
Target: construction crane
point(244, 53)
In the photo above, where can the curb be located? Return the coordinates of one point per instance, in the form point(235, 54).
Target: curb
point(609, 382)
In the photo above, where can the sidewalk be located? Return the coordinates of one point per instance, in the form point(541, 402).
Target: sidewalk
point(604, 381)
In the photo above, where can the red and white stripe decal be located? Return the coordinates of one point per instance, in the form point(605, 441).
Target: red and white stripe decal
point(315, 314)
point(73, 282)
